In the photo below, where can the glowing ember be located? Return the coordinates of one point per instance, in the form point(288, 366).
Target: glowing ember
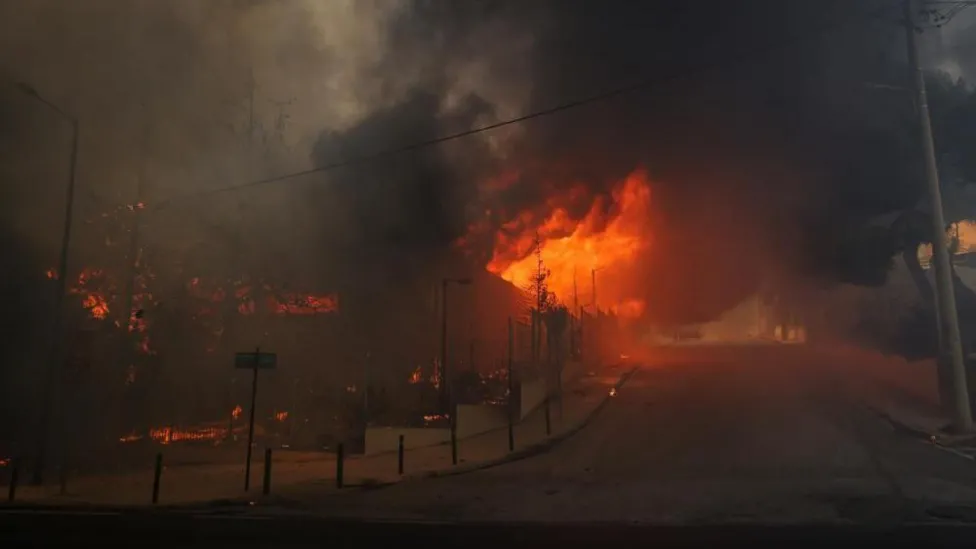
point(295, 304)
point(434, 418)
point(89, 285)
point(435, 378)
point(281, 416)
point(607, 239)
point(416, 376)
point(236, 412)
point(613, 391)
point(96, 305)
point(167, 435)
point(131, 437)
point(51, 273)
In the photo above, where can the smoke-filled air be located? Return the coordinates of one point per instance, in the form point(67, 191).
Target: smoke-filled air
point(329, 180)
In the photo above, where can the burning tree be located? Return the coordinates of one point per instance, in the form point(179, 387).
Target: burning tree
point(543, 302)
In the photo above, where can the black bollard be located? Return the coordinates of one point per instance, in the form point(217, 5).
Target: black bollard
point(339, 459)
point(267, 471)
point(14, 474)
point(157, 473)
point(400, 455)
point(454, 448)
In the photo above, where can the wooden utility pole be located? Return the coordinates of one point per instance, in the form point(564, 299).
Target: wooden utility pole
point(949, 321)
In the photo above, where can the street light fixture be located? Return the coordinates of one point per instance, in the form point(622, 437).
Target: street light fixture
point(61, 289)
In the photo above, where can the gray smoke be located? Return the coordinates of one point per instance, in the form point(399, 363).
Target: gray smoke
point(761, 163)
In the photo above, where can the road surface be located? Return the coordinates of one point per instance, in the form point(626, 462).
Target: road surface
point(702, 446)
point(769, 434)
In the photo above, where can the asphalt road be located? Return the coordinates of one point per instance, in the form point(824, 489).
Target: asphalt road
point(715, 444)
point(702, 436)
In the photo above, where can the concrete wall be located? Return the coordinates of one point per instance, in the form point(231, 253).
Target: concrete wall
point(533, 394)
point(386, 439)
point(474, 419)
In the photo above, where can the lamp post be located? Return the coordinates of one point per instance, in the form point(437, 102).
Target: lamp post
point(55, 351)
point(446, 397)
point(445, 392)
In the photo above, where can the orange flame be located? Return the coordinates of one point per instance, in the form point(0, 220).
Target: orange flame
point(167, 435)
point(96, 305)
point(606, 242)
point(296, 304)
point(416, 376)
point(131, 437)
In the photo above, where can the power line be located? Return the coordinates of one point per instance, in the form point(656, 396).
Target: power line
point(603, 96)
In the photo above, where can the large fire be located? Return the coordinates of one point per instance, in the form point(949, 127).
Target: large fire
point(604, 244)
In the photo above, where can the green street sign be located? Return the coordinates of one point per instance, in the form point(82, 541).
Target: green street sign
point(261, 361)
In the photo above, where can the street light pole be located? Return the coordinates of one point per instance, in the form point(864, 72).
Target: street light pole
point(445, 392)
point(55, 351)
point(941, 262)
point(447, 403)
point(443, 373)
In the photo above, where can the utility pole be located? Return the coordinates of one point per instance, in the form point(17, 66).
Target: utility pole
point(134, 258)
point(940, 260)
point(445, 387)
point(250, 111)
point(445, 405)
point(56, 351)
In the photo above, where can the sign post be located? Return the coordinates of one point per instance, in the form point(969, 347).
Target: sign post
point(254, 361)
point(511, 387)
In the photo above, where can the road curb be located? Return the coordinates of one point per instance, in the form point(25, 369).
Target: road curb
point(248, 502)
point(528, 451)
point(935, 439)
point(900, 425)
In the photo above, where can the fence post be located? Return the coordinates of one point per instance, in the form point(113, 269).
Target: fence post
point(157, 473)
point(339, 458)
point(14, 477)
point(267, 471)
point(400, 456)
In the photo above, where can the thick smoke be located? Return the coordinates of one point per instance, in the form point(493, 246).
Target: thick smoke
point(761, 164)
point(764, 166)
